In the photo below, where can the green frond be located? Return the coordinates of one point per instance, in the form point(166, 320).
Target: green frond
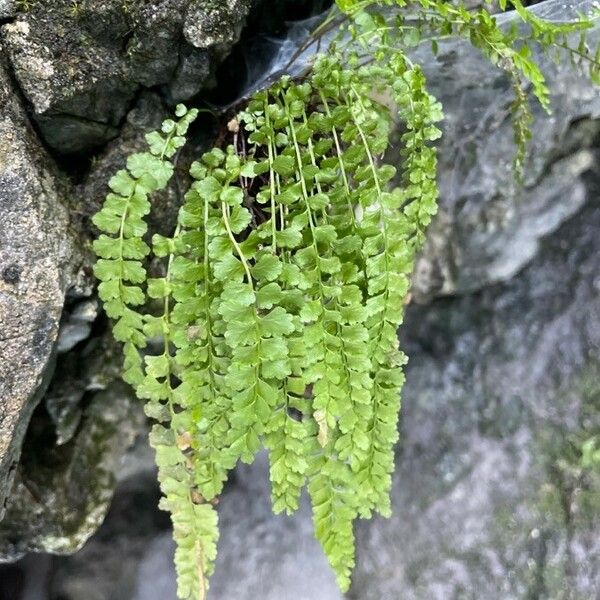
point(275, 311)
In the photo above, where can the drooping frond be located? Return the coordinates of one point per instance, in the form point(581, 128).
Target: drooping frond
point(274, 321)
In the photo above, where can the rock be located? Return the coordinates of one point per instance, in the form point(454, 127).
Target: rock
point(36, 255)
point(487, 229)
point(193, 67)
point(62, 492)
point(203, 30)
point(78, 325)
point(157, 29)
point(78, 89)
point(81, 64)
point(297, 567)
point(492, 498)
point(89, 368)
point(214, 23)
point(147, 115)
point(7, 9)
point(55, 486)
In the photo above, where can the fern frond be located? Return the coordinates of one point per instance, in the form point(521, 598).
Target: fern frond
point(287, 275)
point(334, 510)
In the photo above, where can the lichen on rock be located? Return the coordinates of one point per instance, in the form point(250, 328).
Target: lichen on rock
point(210, 23)
point(7, 9)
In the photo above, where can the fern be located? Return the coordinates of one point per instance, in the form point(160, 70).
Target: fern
point(275, 320)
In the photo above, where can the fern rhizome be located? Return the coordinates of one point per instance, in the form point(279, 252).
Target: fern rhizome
point(285, 279)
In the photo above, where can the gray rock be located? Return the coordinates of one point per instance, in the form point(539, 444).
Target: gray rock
point(487, 229)
point(83, 442)
point(81, 64)
point(90, 368)
point(147, 115)
point(157, 30)
point(194, 66)
point(286, 562)
point(55, 486)
point(7, 9)
point(61, 493)
point(36, 254)
point(107, 567)
point(78, 325)
point(77, 88)
point(214, 23)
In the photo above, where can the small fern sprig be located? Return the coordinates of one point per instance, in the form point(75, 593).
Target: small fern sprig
point(121, 248)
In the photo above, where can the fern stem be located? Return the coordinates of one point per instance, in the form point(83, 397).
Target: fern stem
point(338, 148)
point(271, 158)
point(225, 212)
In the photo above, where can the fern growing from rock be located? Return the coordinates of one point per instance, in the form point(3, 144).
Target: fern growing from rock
point(287, 273)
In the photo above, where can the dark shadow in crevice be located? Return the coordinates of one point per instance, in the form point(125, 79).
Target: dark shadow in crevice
point(267, 26)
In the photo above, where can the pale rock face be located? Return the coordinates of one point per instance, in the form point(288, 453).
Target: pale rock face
point(7, 8)
point(36, 250)
point(210, 23)
point(487, 230)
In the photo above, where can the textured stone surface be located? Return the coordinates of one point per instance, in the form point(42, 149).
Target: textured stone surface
point(7, 8)
point(42, 330)
point(487, 229)
point(78, 89)
point(35, 264)
point(207, 25)
point(81, 64)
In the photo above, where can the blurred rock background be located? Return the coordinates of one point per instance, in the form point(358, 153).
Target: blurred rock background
point(497, 488)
